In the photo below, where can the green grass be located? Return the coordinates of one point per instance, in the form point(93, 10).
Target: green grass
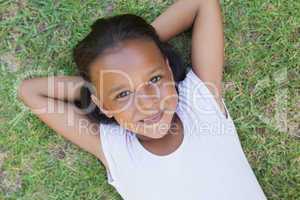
point(261, 81)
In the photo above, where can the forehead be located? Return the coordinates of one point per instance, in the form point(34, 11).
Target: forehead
point(131, 59)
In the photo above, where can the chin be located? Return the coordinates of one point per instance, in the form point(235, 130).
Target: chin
point(160, 135)
point(156, 133)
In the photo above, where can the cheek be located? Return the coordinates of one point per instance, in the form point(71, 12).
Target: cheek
point(169, 97)
point(121, 106)
point(125, 115)
point(124, 119)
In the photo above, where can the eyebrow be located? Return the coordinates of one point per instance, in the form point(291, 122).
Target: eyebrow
point(119, 87)
point(116, 88)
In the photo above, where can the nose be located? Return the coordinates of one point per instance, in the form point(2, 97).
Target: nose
point(147, 99)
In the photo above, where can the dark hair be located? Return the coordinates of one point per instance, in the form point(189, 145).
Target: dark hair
point(107, 33)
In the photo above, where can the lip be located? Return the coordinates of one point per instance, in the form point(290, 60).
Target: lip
point(154, 118)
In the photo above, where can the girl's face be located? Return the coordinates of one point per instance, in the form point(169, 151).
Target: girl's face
point(133, 82)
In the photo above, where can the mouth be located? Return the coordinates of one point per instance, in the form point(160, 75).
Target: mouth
point(154, 118)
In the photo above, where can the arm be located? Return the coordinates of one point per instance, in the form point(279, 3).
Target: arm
point(207, 38)
point(65, 88)
point(60, 115)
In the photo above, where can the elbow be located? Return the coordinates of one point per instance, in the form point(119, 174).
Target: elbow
point(22, 90)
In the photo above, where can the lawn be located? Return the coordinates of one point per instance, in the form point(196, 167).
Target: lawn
point(261, 83)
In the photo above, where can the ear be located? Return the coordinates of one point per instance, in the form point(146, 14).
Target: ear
point(167, 61)
point(169, 67)
point(99, 104)
point(168, 64)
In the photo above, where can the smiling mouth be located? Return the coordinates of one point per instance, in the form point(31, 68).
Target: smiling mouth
point(153, 119)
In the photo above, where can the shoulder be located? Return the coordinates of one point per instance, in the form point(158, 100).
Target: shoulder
point(118, 148)
point(191, 79)
point(111, 135)
point(117, 142)
point(192, 85)
point(194, 92)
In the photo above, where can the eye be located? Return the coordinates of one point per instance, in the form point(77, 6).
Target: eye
point(155, 79)
point(122, 94)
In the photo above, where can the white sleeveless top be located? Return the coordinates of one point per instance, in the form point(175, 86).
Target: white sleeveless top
point(209, 164)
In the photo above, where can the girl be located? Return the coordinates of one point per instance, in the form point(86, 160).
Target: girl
point(160, 132)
